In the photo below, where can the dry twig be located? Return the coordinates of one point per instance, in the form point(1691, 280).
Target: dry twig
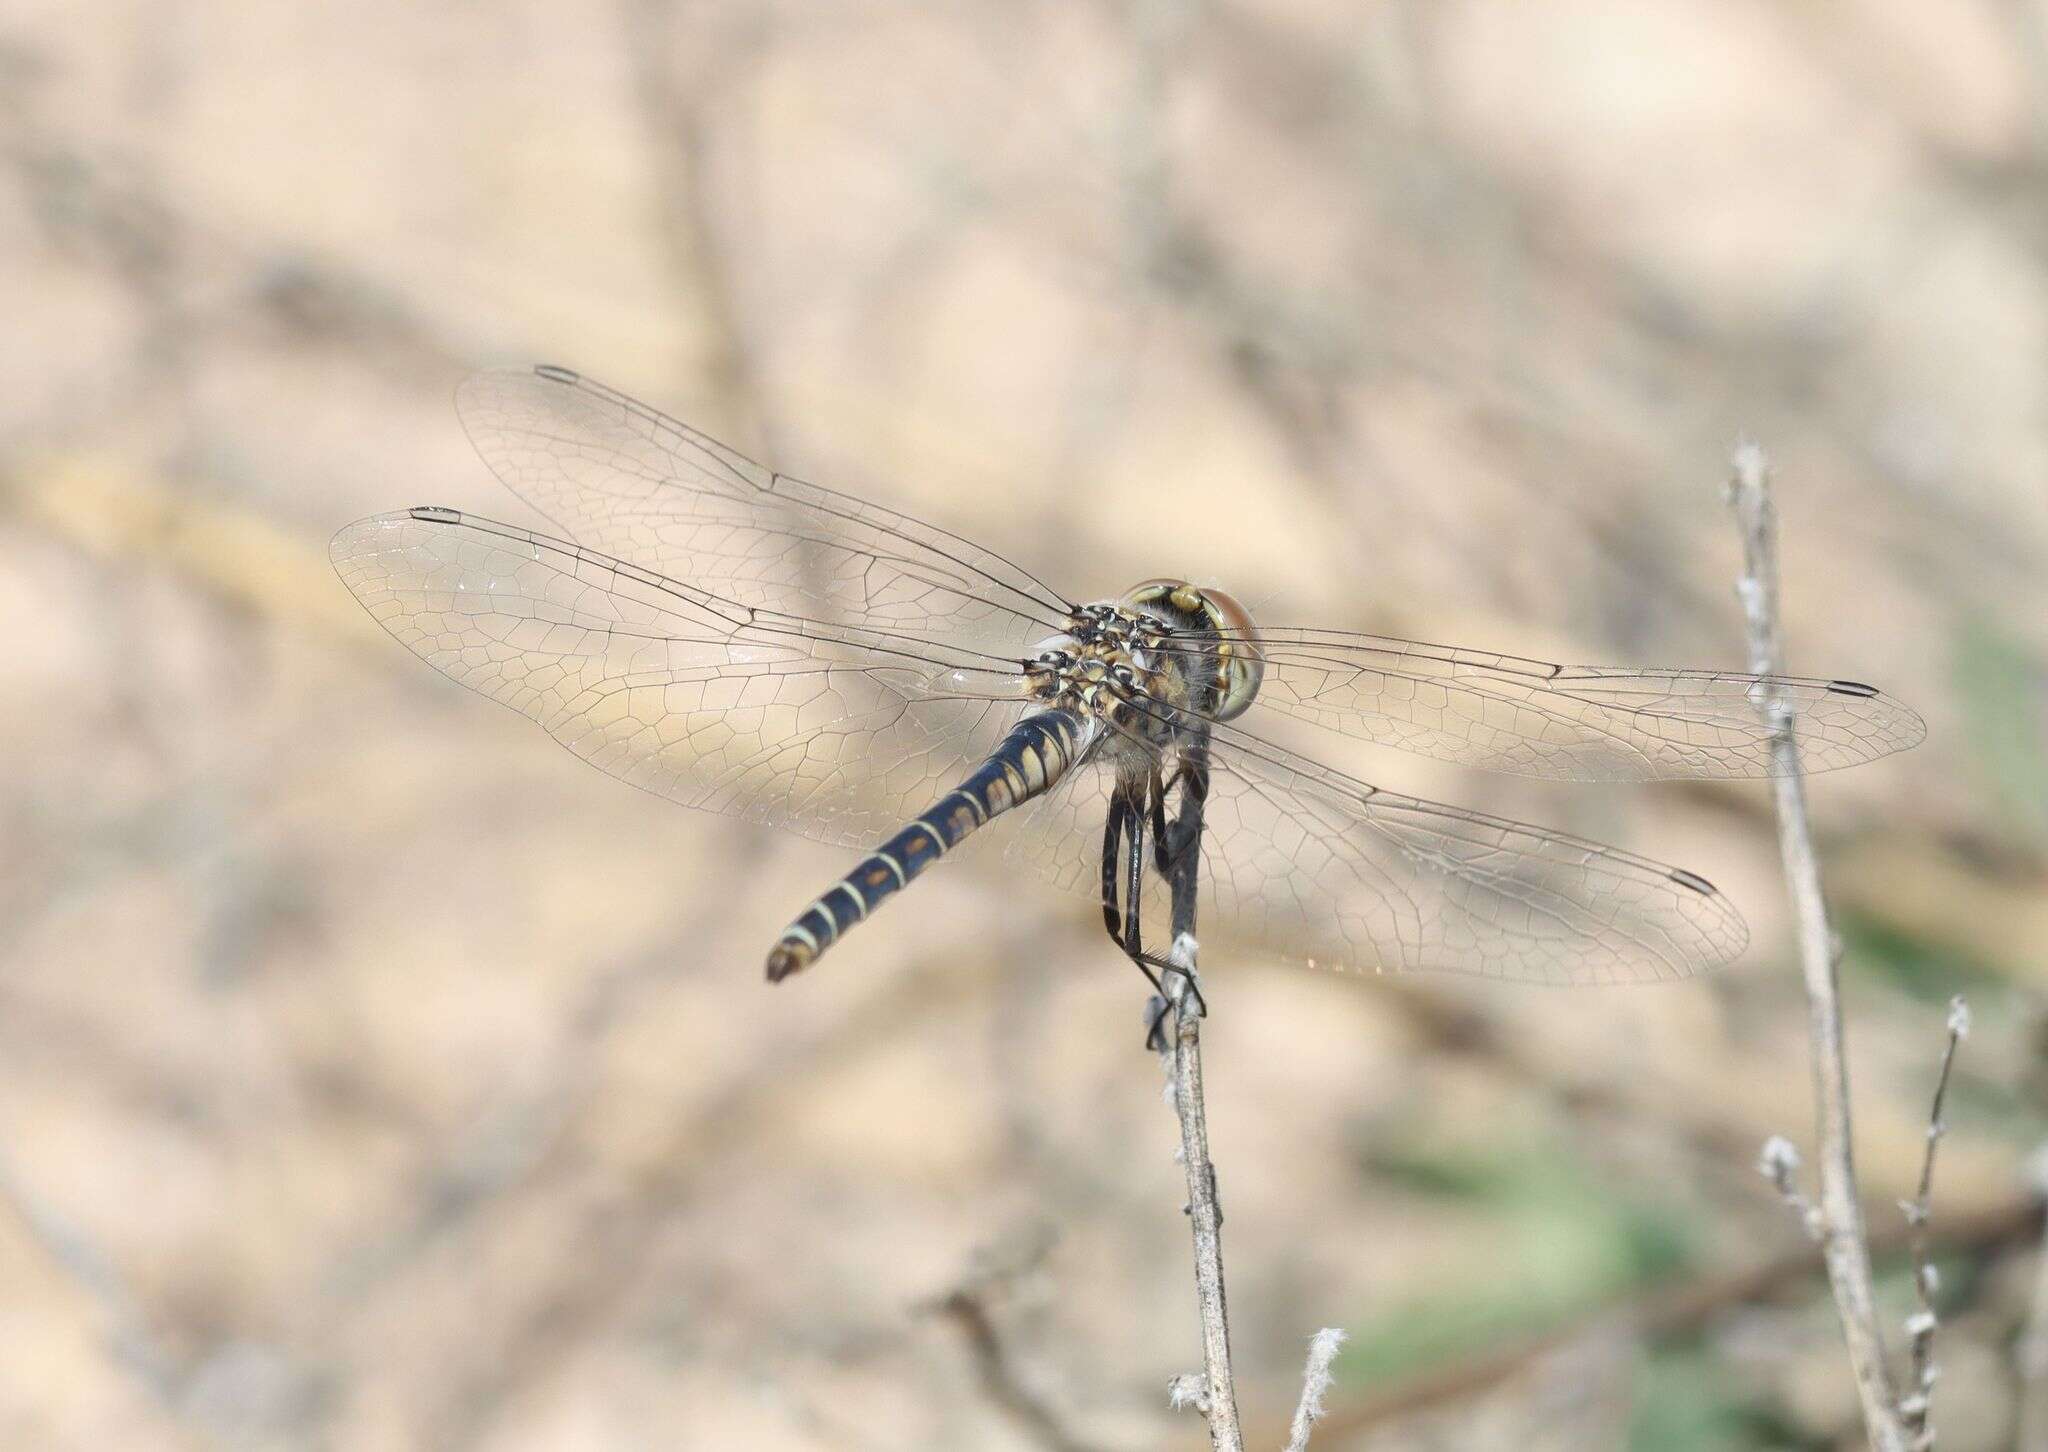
point(1315, 1385)
point(1217, 1397)
point(967, 1310)
point(1666, 1312)
point(1921, 1325)
point(1843, 1238)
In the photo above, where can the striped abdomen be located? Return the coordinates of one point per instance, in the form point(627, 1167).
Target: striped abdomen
point(1037, 752)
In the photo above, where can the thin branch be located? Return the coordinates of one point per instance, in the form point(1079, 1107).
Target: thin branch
point(1844, 1240)
point(1315, 1385)
point(964, 1307)
point(678, 105)
point(1675, 1311)
point(1921, 1325)
point(1779, 1163)
point(619, 1230)
point(137, 1348)
point(1218, 1396)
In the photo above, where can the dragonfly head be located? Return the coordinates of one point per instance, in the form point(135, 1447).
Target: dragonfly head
point(1224, 629)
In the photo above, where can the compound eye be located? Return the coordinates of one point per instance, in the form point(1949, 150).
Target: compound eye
point(1150, 592)
point(1240, 656)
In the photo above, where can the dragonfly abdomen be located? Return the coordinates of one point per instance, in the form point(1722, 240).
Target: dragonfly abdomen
point(1036, 753)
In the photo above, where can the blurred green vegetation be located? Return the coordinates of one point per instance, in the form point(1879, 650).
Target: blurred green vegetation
point(1928, 971)
point(1566, 1242)
point(1689, 1400)
point(2003, 691)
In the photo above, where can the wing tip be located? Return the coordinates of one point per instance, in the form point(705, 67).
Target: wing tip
point(357, 537)
point(1728, 936)
point(377, 534)
point(482, 388)
point(1891, 726)
point(1905, 727)
point(1912, 726)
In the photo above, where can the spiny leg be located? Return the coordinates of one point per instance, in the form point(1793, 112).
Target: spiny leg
point(1123, 927)
point(1127, 821)
point(1112, 843)
point(1155, 793)
point(1172, 843)
point(1172, 839)
point(1134, 888)
point(1155, 810)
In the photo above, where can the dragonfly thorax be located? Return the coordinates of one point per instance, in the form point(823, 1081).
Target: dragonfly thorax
point(1138, 662)
point(1101, 670)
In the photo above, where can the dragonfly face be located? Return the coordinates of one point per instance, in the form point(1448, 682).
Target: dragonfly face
point(1237, 665)
point(737, 640)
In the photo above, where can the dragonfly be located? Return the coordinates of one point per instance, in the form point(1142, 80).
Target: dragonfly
point(740, 641)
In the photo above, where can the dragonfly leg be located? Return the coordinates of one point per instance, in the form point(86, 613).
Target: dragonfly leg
point(1126, 929)
point(1154, 967)
point(1112, 844)
point(1162, 831)
point(1155, 1037)
point(1173, 846)
point(1134, 886)
point(1171, 839)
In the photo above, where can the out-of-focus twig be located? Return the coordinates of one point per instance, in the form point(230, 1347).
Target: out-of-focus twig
point(1779, 1163)
point(965, 1308)
point(1843, 1238)
point(136, 1345)
point(619, 1231)
point(1676, 1310)
point(1921, 1325)
point(1218, 1395)
point(678, 101)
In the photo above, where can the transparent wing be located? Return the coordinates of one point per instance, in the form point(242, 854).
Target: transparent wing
point(1353, 877)
point(623, 478)
point(842, 733)
point(837, 733)
point(1306, 864)
point(1581, 723)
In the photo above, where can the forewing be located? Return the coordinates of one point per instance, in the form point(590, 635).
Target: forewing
point(623, 478)
point(1583, 723)
point(839, 735)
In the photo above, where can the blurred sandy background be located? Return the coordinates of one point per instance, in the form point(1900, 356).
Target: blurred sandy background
point(375, 1075)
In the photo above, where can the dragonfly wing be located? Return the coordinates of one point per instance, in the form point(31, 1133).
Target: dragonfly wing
point(621, 477)
point(839, 735)
point(1580, 723)
point(1323, 868)
point(1057, 835)
point(1303, 863)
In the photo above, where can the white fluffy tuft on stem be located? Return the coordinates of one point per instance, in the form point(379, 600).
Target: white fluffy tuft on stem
point(1315, 1385)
